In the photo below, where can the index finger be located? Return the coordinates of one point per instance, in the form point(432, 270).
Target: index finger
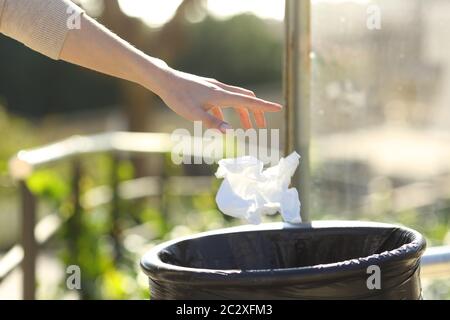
point(236, 100)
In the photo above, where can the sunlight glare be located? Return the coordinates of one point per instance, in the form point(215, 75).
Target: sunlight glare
point(155, 13)
point(266, 9)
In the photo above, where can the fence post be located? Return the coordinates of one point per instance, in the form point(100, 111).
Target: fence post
point(28, 242)
point(115, 207)
point(74, 222)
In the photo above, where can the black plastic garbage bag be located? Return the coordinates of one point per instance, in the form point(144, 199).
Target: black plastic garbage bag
point(321, 260)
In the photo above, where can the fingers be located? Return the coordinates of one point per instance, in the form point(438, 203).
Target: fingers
point(239, 100)
point(243, 112)
point(260, 119)
point(245, 118)
point(236, 94)
point(217, 112)
point(213, 122)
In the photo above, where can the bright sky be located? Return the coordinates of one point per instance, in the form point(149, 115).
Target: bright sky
point(157, 12)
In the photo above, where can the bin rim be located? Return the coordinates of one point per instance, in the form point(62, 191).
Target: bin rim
point(157, 270)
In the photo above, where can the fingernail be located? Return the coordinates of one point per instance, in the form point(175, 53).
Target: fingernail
point(224, 127)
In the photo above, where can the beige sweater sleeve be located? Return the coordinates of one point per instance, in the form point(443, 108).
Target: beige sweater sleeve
point(41, 25)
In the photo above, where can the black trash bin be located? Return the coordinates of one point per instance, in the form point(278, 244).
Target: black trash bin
point(318, 260)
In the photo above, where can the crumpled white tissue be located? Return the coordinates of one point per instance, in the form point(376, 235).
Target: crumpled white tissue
point(249, 192)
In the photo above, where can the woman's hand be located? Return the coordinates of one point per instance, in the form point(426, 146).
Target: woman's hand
point(202, 99)
point(192, 97)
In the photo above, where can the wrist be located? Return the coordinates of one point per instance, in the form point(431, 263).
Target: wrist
point(153, 74)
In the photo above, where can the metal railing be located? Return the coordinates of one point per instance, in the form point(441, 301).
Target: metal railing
point(436, 262)
point(35, 234)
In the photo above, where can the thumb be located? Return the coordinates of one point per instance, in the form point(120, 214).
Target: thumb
point(214, 123)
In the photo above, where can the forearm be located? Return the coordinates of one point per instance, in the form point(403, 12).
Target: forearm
point(95, 47)
point(43, 25)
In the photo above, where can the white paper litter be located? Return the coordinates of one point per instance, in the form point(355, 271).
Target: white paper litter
point(249, 192)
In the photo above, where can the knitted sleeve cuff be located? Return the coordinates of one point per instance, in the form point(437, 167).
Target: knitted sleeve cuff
point(41, 25)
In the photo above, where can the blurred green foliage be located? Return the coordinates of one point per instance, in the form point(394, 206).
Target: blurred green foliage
point(241, 50)
point(88, 239)
point(48, 185)
point(16, 134)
